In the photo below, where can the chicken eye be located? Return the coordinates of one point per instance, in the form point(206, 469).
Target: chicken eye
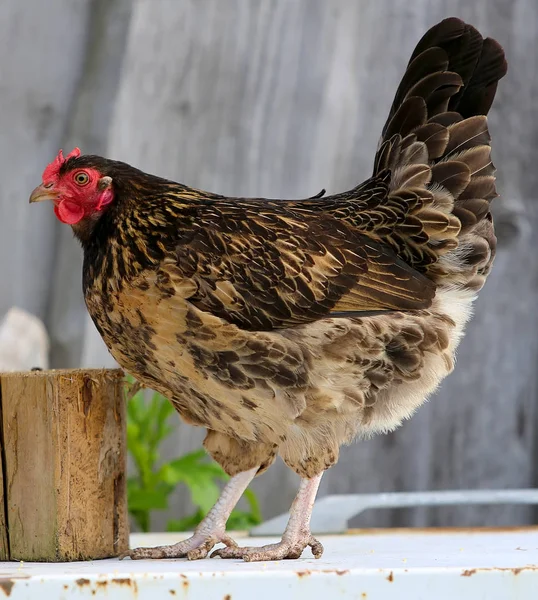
point(81, 178)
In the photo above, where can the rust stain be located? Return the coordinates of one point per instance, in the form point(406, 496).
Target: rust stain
point(363, 595)
point(331, 571)
point(6, 585)
point(513, 570)
point(227, 597)
point(185, 582)
point(390, 577)
point(124, 581)
point(127, 581)
point(173, 592)
point(468, 572)
point(336, 571)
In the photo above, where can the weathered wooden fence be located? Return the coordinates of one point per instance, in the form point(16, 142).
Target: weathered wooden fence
point(278, 98)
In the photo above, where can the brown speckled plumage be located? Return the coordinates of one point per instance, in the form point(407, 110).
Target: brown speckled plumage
point(291, 327)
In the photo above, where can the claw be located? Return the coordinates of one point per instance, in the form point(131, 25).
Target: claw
point(285, 549)
point(296, 536)
point(194, 548)
point(316, 547)
point(209, 532)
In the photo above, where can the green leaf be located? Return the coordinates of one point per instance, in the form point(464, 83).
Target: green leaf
point(171, 475)
point(136, 408)
point(148, 425)
point(133, 433)
point(142, 500)
point(204, 495)
point(190, 460)
point(186, 524)
point(240, 520)
point(165, 411)
point(197, 462)
point(213, 470)
point(254, 505)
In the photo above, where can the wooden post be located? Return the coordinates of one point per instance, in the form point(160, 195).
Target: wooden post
point(64, 453)
point(4, 547)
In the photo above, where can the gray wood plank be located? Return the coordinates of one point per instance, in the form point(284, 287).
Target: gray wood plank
point(41, 52)
point(87, 125)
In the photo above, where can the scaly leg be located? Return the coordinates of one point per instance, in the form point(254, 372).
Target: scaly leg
point(210, 531)
point(296, 537)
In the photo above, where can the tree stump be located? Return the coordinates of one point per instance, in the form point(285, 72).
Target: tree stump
point(4, 548)
point(63, 449)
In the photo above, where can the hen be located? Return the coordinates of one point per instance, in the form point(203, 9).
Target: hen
point(292, 327)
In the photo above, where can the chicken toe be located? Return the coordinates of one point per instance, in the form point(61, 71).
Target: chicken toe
point(197, 546)
point(209, 532)
point(296, 537)
point(286, 548)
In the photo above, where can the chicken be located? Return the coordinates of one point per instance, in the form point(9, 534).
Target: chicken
point(291, 327)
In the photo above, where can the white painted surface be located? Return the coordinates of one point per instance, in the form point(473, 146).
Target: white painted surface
point(420, 565)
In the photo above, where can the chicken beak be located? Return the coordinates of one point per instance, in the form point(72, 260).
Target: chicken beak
point(42, 193)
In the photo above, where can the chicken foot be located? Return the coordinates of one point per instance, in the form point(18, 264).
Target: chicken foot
point(296, 536)
point(210, 531)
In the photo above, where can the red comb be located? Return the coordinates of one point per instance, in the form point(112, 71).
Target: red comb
point(53, 170)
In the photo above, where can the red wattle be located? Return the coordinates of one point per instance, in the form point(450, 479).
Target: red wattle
point(69, 212)
point(105, 198)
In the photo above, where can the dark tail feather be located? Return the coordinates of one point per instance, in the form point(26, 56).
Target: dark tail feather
point(437, 147)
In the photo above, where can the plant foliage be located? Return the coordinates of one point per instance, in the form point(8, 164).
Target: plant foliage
point(149, 489)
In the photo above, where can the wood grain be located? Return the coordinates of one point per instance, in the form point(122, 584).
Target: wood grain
point(64, 435)
point(4, 534)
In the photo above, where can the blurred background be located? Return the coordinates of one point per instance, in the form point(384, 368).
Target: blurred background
point(278, 98)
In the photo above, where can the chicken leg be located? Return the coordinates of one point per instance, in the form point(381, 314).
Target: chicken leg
point(210, 531)
point(296, 536)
